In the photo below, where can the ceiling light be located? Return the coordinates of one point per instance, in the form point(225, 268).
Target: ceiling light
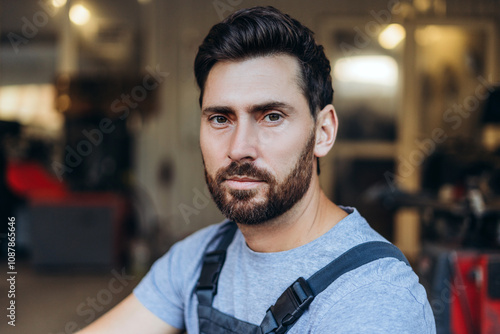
point(79, 15)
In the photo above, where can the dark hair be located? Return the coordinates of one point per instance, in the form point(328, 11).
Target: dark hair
point(264, 31)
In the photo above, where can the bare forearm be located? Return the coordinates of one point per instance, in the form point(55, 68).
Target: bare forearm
point(129, 317)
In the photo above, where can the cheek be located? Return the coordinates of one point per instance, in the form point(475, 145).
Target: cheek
point(282, 156)
point(212, 154)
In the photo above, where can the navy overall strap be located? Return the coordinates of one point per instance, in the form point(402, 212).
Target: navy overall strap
point(211, 320)
point(206, 288)
point(352, 259)
point(295, 300)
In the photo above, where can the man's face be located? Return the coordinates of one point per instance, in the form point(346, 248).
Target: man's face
point(257, 138)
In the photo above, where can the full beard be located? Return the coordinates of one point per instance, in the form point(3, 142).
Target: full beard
point(242, 206)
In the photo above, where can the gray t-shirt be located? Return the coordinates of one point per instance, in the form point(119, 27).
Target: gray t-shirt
point(383, 296)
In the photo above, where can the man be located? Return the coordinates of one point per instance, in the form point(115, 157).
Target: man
point(266, 119)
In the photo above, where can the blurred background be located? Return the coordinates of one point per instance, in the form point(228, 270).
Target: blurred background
point(100, 164)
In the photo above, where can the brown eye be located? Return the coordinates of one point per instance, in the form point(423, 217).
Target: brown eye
point(273, 117)
point(219, 119)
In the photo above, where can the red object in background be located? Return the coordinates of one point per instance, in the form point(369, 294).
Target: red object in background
point(475, 293)
point(30, 180)
point(490, 294)
point(465, 295)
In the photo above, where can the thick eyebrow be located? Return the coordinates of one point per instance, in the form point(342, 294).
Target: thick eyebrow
point(271, 106)
point(218, 110)
point(253, 109)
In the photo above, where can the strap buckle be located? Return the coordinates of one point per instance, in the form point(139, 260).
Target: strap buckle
point(212, 266)
point(291, 305)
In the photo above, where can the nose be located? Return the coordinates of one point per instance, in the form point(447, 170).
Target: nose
point(243, 142)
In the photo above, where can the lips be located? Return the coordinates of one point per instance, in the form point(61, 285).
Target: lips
point(242, 179)
point(242, 183)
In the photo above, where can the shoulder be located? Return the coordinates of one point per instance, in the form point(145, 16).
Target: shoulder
point(380, 307)
point(384, 296)
point(177, 267)
point(165, 288)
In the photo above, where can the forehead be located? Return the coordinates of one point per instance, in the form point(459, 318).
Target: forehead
point(254, 80)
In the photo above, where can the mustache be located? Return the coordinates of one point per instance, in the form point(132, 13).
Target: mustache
point(243, 169)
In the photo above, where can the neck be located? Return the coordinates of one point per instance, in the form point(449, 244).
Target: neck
point(310, 218)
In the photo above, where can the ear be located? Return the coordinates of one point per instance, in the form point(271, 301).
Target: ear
point(326, 130)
